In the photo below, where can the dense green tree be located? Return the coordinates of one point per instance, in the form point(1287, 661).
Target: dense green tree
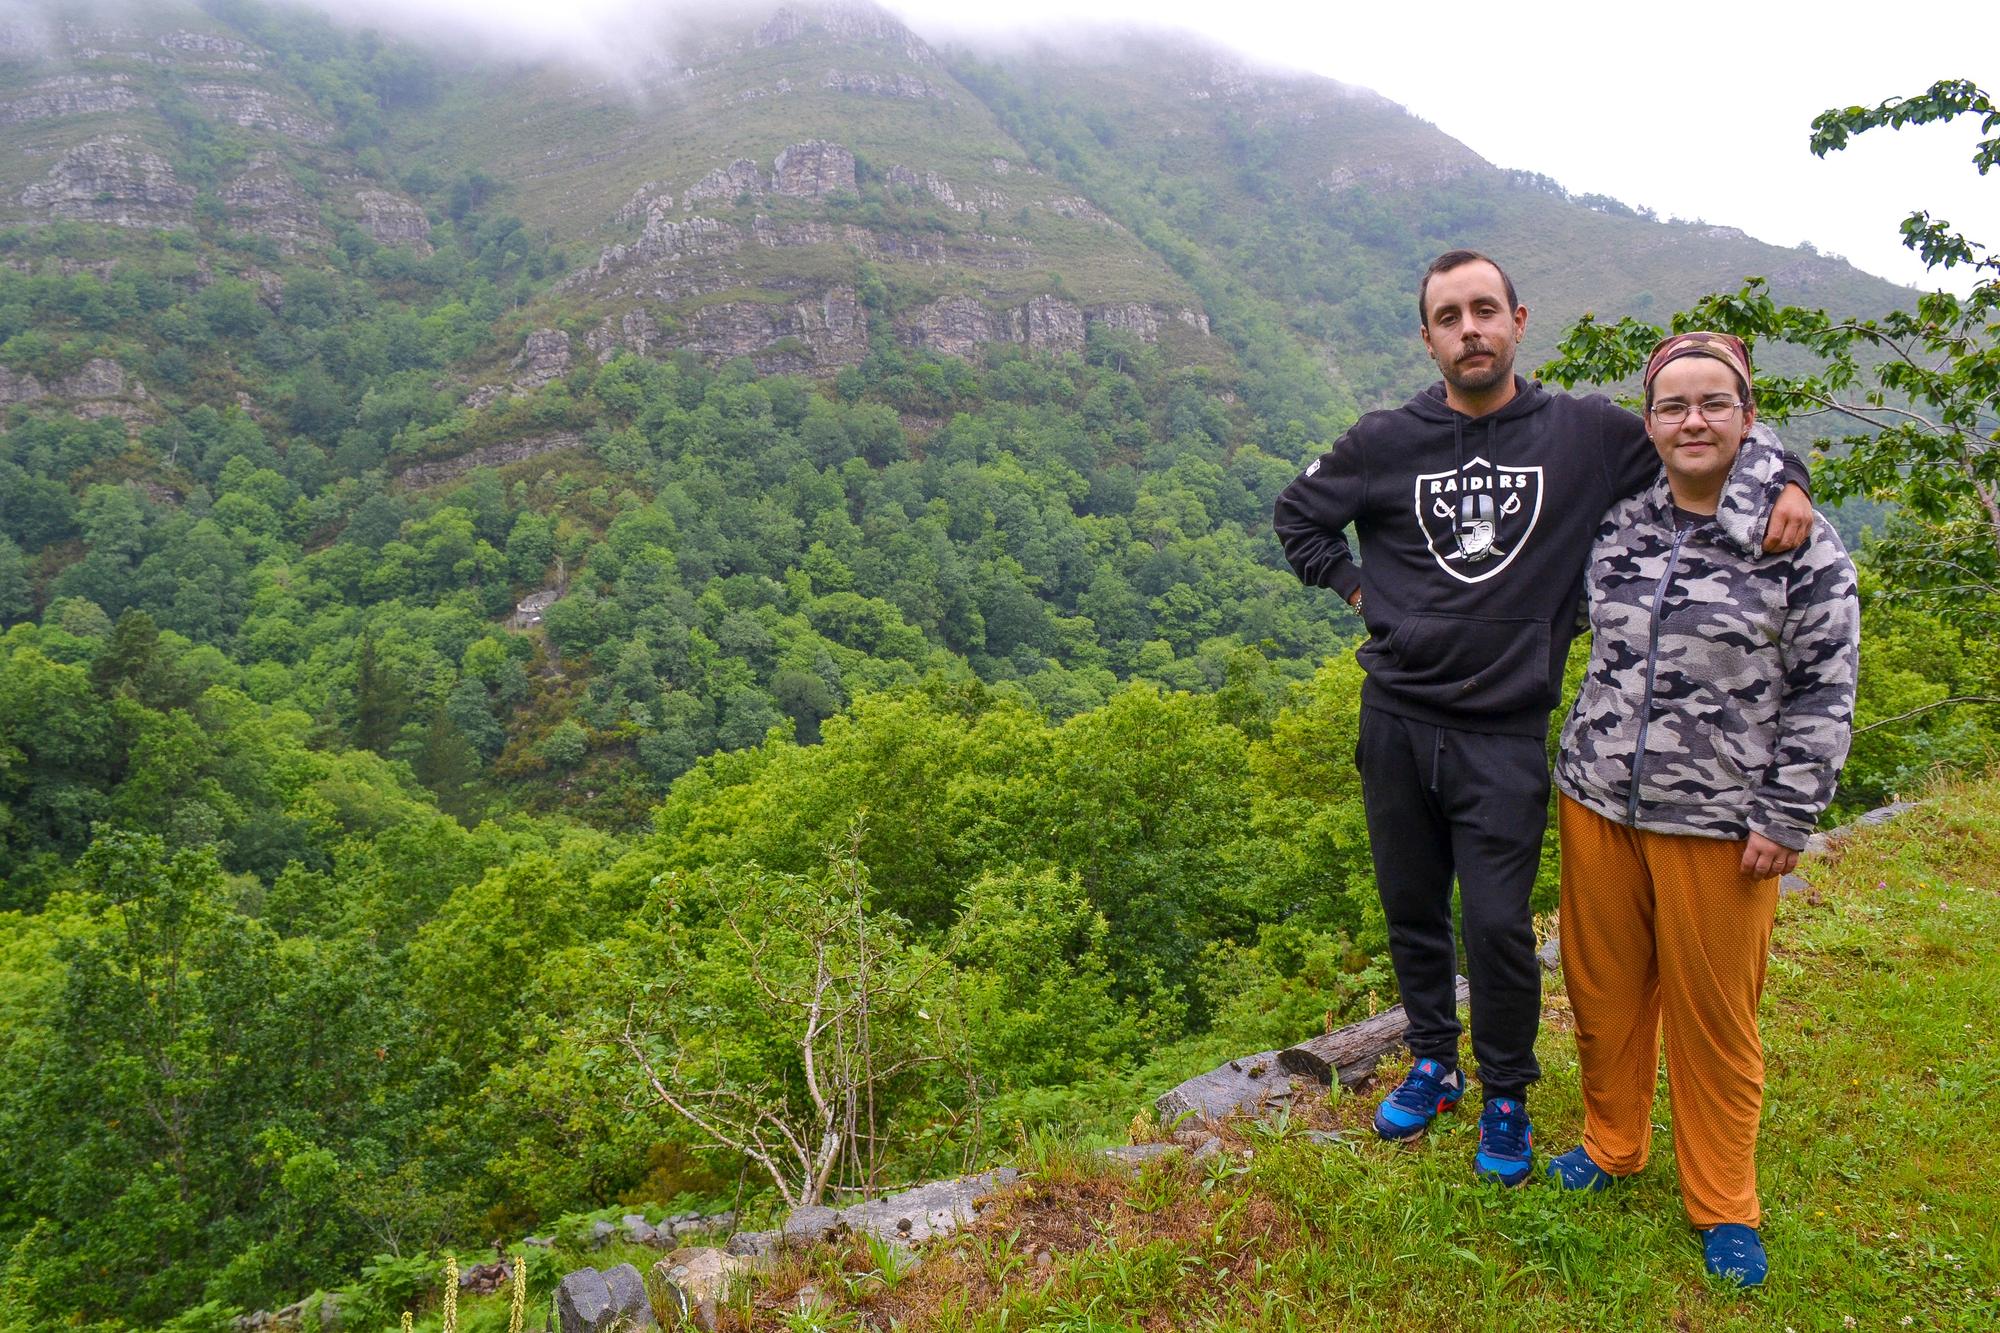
point(1922, 434)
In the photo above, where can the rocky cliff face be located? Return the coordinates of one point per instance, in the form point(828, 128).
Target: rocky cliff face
point(264, 200)
point(394, 219)
point(116, 180)
point(102, 107)
point(543, 359)
point(812, 170)
point(70, 95)
point(100, 388)
point(959, 325)
point(674, 284)
point(492, 455)
point(804, 336)
point(254, 109)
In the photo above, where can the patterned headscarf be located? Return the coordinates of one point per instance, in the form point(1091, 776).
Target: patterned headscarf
point(1724, 347)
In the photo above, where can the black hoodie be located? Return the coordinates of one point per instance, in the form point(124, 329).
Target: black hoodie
point(1474, 535)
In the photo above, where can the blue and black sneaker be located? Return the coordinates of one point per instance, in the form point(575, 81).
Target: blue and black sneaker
point(1575, 1170)
point(1506, 1142)
point(1735, 1253)
point(1428, 1092)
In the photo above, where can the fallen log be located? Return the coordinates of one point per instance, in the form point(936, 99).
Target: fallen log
point(1240, 1087)
point(1352, 1053)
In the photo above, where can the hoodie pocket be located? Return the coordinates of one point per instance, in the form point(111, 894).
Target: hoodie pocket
point(1466, 663)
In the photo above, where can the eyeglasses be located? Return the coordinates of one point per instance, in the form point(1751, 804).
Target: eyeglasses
point(1711, 409)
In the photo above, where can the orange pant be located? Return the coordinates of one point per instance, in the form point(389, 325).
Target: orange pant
point(1658, 925)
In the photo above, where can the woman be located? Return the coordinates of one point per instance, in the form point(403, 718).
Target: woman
point(1701, 751)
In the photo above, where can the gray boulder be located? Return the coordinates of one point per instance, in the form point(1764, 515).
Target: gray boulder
point(811, 1225)
point(628, 1295)
point(588, 1301)
point(754, 1244)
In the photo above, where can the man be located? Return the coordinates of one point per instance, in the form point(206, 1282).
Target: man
point(1475, 503)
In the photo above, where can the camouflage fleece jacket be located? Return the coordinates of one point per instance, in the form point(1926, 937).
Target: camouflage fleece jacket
point(1720, 695)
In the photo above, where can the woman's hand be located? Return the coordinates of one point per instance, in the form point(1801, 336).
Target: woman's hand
point(1763, 858)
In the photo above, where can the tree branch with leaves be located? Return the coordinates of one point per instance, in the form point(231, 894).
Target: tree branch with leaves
point(1918, 389)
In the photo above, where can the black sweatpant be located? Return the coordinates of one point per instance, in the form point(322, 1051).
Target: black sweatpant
point(1441, 801)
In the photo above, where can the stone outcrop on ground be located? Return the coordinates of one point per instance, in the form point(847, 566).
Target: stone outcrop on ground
point(589, 1301)
point(693, 1281)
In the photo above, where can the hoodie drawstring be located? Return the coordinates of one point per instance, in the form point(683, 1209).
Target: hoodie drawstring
point(1458, 469)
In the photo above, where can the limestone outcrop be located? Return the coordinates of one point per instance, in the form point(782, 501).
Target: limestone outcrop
point(70, 95)
point(959, 325)
point(907, 87)
point(728, 184)
point(543, 359)
point(115, 180)
point(264, 200)
point(204, 43)
point(783, 338)
point(490, 455)
point(812, 170)
point(254, 109)
point(394, 219)
point(634, 331)
point(100, 388)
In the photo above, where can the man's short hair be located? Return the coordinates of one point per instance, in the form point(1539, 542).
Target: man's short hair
point(1450, 260)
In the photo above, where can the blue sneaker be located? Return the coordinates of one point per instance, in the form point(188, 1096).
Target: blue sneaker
point(1506, 1142)
point(1428, 1092)
point(1575, 1170)
point(1735, 1253)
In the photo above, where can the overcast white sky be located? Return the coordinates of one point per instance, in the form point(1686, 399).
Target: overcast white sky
point(1567, 89)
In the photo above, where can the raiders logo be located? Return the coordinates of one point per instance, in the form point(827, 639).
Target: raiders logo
point(1478, 518)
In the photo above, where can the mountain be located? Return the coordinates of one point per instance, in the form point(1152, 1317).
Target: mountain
point(783, 183)
point(548, 425)
point(1328, 200)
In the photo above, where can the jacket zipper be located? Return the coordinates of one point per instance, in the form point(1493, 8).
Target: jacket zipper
point(1652, 665)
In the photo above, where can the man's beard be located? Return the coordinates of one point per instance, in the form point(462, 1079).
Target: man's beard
point(1478, 379)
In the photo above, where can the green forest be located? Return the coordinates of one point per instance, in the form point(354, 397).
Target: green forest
point(349, 915)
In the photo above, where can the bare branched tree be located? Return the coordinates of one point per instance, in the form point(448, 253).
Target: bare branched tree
point(852, 1016)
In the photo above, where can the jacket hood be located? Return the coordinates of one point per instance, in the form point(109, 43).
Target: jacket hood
point(1430, 405)
point(1749, 494)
